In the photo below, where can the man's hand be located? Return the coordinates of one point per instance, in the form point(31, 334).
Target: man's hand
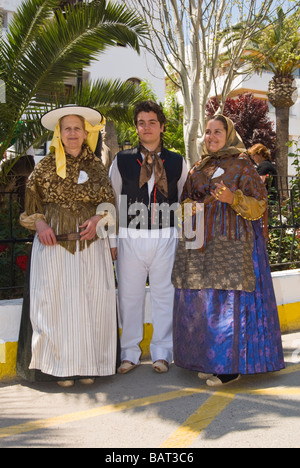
point(114, 253)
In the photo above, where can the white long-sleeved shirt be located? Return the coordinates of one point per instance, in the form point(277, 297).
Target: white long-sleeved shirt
point(117, 184)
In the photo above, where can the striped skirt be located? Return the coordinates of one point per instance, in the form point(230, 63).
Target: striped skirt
point(73, 311)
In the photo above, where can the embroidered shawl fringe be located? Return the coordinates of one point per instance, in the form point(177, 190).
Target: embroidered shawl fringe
point(218, 215)
point(61, 219)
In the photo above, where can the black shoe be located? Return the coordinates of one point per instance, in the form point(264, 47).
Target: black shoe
point(219, 380)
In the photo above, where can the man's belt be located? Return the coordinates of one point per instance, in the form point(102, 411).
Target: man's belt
point(72, 236)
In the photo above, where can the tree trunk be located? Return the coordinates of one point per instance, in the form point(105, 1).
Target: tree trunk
point(282, 135)
point(281, 95)
point(190, 137)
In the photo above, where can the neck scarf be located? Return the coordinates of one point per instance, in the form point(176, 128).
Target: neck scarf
point(234, 145)
point(57, 147)
point(152, 161)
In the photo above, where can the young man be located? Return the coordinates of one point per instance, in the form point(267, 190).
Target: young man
point(144, 178)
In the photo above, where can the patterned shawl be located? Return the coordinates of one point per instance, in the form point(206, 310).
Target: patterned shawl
point(68, 203)
point(237, 173)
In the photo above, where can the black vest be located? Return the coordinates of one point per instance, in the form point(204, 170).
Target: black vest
point(136, 210)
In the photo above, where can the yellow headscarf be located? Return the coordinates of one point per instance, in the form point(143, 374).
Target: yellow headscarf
point(57, 147)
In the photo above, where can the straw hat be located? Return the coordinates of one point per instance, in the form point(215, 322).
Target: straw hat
point(94, 122)
point(51, 118)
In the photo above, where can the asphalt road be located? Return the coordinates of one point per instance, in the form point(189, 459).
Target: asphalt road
point(166, 412)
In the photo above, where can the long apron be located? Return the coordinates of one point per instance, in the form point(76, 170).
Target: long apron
point(73, 311)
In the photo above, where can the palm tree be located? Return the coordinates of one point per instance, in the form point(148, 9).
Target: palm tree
point(42, 50)
point(277, 49)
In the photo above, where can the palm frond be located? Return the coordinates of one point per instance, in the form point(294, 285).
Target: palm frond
point(42, 50)
point(113, 98)
point(275, 46)
point(70, 41)
point(24, 27)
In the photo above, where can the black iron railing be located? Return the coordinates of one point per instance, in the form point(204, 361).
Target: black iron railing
point(284, 223)
point(15, 246)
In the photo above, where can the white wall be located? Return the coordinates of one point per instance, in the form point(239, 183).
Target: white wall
point(124, 63)
point(10, 5)
point(287, 286)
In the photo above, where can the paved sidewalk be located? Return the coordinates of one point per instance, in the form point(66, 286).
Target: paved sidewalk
point(144, 409)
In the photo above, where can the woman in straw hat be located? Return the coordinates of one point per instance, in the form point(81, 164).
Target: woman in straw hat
point(225, 314)
point(72, 288)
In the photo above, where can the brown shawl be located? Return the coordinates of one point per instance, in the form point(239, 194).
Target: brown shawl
point(67, 203)
point(239, 174)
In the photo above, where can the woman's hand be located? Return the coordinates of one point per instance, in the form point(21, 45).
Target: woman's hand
point(223, 193)
point(45, 233)
point(90, 228)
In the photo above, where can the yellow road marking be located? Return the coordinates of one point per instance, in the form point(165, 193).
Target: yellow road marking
point(185, 435)
point(87, 414)
point(2, 353)
point(190, 430)
point(273, 391)
point(197, 422)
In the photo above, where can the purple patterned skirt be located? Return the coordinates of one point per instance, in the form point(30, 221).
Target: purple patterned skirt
point(230, 332)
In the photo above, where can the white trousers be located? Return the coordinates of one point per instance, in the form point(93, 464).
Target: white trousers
point(138, 258)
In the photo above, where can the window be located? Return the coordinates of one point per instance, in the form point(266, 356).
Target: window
point(135, 81)
point(4, 19)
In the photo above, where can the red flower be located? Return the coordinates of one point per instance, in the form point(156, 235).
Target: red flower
point(22, 261)
point(3, 247)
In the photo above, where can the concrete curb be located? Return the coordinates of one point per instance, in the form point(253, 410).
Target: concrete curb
point(289, 317)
